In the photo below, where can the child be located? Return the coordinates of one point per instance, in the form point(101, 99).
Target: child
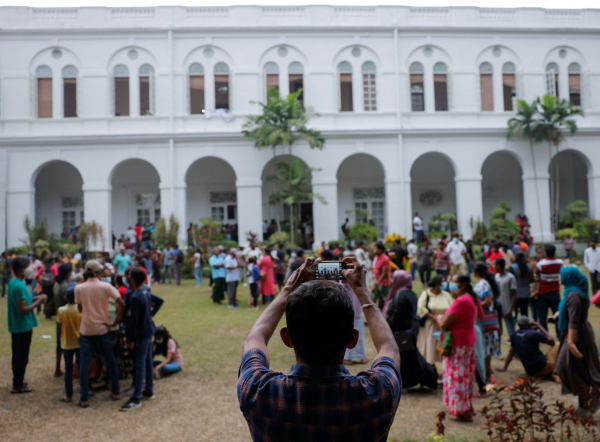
point(253, 274)
point(165, 345)
point(69, 320)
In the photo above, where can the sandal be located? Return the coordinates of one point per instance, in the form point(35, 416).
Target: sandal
point(65, 400)
point(82, 405)
point(348, 362)
point(24, 389)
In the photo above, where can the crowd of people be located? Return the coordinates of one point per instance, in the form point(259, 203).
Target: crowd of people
point(105, 329)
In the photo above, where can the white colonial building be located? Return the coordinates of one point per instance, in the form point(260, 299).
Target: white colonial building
point(121, 115)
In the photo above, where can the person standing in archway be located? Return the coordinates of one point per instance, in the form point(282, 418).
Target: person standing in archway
point(418, 227)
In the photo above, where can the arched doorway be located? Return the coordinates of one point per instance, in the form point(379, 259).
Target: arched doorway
point(501, 181)
point(211, 192)
point(59, 197)
point(361, 192)
point(433, 188)
point(135, 195)
point(280, 212)
point(568, 182)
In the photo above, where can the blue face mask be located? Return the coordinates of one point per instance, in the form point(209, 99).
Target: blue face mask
point(444, 286)
point(159, 341)
point(125, 282)
point(453, 286)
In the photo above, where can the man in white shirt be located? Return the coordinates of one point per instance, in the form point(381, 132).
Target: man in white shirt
point(412, 249)
point(591, 259)
point(418, 227)
point(131, 236)
point(232, 266)
point(252, 252)
point(457, 251)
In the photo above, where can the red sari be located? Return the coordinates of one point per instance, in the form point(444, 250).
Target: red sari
point(267, 283)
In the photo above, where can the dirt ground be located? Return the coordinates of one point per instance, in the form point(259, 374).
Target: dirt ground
point(200, 403)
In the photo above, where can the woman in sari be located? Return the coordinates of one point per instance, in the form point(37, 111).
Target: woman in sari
point(577, 363)
point(401, 314)
point(433, 302)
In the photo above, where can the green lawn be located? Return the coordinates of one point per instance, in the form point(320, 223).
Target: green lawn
point(198, 404)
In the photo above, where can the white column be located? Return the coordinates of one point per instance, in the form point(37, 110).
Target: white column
point(180, 211)
point(537, 209)
point(469, 204)
point(407, 215)
point(249, 209)
point(358, 99)
point(97, 204)
point(498, 90)
point(594, 196)
point(134, 94)
point(166, 202)
point(57, 95)
point(19, 205)
point(3, 190)
point(325, 216)
point(428, 90)
point(393, 206)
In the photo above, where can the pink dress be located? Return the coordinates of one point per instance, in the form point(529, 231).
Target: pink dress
point(267, 285)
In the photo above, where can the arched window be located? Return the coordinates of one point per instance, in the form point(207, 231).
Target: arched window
point(296, 78)
point(121, 75)
point(509, 90)
point(146, 74)
point(575, 84)
point(221, 86)
point(43, 76)
point(552, 79)
point(196, 76)
point(272, 75)
point(369, 86)
point(417, 90)
point(440, 86)
point(486, 84)
point(345, 73)
point(69, 75)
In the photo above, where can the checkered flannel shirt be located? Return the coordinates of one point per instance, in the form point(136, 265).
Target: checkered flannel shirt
point(318, 403)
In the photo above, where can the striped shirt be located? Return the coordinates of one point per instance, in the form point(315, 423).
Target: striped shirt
point(318, 403)
point(549, 272)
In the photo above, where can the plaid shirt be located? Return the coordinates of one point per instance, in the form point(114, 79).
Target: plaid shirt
point(318, 403)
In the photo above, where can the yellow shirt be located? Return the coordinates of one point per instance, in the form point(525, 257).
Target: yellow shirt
point(438, 304)
point(69, 319)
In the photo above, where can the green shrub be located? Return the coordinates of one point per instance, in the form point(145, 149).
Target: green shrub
point(363, 232)
point(442, 222)
point(587, 229)
point(19, 251)
point(173, 232)
point(575, 212)
point(342, 242)
point(160, 233)
point(225, 243)
point(562, 233)
point(436, 234)
point(479, 230)
point(501, 229)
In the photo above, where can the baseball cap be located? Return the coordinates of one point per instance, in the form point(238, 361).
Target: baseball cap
point(299, 251)
point(93, 266)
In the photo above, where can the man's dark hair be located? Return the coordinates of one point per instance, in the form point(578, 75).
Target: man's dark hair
point(320, 320)
point(19, 263)
point(550, 250)
point(501, 262)
point(380, 246)
point(398, 242)
point(137, 275)
point(327, 255)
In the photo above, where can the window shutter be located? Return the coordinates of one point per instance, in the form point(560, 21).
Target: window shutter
point(550, 84)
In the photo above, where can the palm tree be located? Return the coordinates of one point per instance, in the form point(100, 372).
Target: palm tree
point(294, 182)
point(282, 123)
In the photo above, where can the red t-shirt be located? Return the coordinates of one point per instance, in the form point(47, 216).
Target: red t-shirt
point(122, 291)
point(463, 328)
point(138, 232)
point(493, 256)
point(549, 273)
point(383, 262)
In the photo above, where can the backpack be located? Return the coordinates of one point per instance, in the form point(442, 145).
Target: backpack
point(47, 278)
point(179, 256)
point(256, 273)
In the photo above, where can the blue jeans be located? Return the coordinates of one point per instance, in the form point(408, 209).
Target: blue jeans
point(144, 368)
point(86, 346)
point(548, 300)
point(167, 268)
point(533, 306)
point(198, 275)
point(419, 236)
point(510, 323)
point(170, 368)
point(413, 268)
point(69, 354)
point(469, 268)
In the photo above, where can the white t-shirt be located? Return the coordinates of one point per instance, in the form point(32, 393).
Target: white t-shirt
point(256, 253)
point(132, 236)
point(198, 257)
point(233, 272)
point(455, 250)
point(417, 223)
point(412, 249)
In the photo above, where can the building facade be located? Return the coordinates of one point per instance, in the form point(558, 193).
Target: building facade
point(124, 115)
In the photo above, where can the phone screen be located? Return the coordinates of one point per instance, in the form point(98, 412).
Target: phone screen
point(330, 270)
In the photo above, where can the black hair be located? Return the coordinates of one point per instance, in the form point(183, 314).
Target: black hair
point(268, 252)
point(436, 280)
point(550, 250)
point(138, 275)
point(501, 262)
point(299, 254)
point(464, 279)
point(398, 242)
point(521, 261)
point(252, 260)
point(380, 246)
point(320, 319)
point(19, 263)
point(161, 331)
point(481, 269)
point(48, 262)
point(327, 255)
point(63, 272)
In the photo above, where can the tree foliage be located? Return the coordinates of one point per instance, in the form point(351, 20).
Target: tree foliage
point(363, 232)
point(173, 232)
point(501, 228)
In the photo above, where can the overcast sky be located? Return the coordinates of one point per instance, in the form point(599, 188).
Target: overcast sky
point(559, 4)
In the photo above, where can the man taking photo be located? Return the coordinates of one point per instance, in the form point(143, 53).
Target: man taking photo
point(319, 399)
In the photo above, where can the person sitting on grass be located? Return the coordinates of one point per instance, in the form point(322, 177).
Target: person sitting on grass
point(525, 343)
point(165, 345)
point(68, 319)
point(319, 399)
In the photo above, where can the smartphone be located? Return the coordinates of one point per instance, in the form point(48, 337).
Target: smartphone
point(330, 270)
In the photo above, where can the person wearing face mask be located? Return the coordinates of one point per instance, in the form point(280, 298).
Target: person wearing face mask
point(457, 251)
point(165, 345)
point(433, 302)
point(21, 321)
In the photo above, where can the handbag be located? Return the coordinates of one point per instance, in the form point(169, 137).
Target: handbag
point(423, 320)
point(444, 345)
point(405, 340)
point(490, 321)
